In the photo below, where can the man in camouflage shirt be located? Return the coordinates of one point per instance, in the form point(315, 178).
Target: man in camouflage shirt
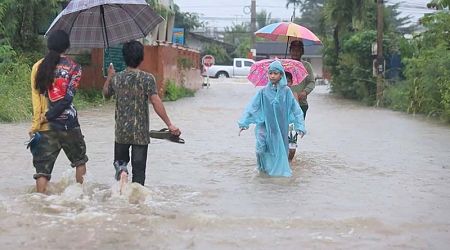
point(133, 89)
point(302, 90)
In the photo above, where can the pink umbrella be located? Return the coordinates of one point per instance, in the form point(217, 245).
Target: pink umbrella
point(259, 71)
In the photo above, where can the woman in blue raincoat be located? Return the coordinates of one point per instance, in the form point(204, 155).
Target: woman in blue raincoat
point(272, 109)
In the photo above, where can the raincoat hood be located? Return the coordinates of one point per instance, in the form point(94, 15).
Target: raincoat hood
point(276, 66)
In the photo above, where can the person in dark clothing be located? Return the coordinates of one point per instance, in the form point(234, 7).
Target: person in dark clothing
point(133, 89)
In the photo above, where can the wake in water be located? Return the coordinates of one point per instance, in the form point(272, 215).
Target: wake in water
point(67, 191)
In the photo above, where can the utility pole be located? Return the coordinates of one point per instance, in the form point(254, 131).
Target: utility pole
point(293, 13)
point(380, 59)
point(253, 23)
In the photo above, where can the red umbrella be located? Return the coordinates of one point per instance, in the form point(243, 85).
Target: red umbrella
point(259, 71)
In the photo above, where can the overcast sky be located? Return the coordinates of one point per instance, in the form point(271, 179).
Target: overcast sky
point(222, 13)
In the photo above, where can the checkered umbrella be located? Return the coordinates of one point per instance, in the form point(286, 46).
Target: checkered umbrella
point(102, 23)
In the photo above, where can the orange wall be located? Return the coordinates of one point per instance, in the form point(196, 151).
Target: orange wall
point(92, 75)
point(160, 60)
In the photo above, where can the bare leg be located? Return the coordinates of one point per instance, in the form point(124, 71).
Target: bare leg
point(79, 173)
point(41, 184)
point(291, 154)
point(123, 181)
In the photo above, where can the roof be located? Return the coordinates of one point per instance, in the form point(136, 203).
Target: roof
point(279, 48)
point(199, 37)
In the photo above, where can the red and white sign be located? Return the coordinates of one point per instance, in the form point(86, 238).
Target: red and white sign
point(208, 60)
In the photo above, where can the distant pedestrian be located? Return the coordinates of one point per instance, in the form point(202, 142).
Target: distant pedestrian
point(272, 109)
point(133, 89)
point(54, 81)
point(301, 90)
point(293, 136)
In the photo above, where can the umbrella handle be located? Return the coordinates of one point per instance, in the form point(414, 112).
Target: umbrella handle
point(102, 13)
point(287, 44)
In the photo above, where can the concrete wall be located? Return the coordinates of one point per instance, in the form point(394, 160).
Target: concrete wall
point(161, 60)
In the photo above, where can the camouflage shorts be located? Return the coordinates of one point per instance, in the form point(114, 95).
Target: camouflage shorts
point(51, 143)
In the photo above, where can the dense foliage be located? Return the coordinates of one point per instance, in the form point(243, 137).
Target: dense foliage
point(15, 94)
point(187, 20)
point(426, 88)
point(22, 24)
point(348, 30)
point(23, 21)
point(220, 54)
point(19, 45)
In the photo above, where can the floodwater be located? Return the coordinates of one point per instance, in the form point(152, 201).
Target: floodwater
point(365, 178)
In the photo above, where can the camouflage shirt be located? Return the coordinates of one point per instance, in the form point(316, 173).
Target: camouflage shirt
point(307, 84)
point(132, 90)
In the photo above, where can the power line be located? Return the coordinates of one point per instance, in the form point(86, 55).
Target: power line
point(232, 18)
point(416, 11)
point(230, 6)
point(410, 6)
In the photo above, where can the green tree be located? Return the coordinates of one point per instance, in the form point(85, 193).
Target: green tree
point(344, 17)
point(428, 70)
point(355, 79)
point(187, 20)
point(237, 33)
point(439, 4)
point(312, 17)
point(263, 18)
point(347, 55)
point(161, 9)
point(220, 54)
point(243, 48)
point(22, 22)
point(392, 21)
point(295, 3)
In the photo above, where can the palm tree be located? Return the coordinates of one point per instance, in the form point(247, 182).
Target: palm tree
point(345, 15)
point(312, 17)
point(296, 4)
point(263, 18)
point(438, 4)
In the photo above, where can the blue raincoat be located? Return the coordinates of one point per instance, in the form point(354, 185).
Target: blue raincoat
point(272, 109)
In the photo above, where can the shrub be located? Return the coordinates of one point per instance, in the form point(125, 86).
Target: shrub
point(174, 92)
point(397, 97)
point(15, 92)
point(86, 98)
point(15, 89)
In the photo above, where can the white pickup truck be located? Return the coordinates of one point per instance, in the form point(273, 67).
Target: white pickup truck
point(240, 67)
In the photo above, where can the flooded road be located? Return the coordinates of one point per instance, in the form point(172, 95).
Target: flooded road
point(365, 178)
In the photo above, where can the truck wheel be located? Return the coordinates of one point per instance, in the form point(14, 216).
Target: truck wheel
point(222, 74)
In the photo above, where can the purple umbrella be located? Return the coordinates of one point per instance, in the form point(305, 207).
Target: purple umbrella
point(102, 23)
